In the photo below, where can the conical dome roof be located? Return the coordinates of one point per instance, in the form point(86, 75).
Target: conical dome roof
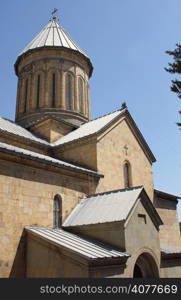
point(53, 35)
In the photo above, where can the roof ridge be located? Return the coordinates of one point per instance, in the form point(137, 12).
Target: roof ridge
point(105, 115)
point(114, 191)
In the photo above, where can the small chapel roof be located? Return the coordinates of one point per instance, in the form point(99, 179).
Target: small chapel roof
point(53, 34)
point(111, 206)
point(87, 248)
point(104, 207)
point(24, 153)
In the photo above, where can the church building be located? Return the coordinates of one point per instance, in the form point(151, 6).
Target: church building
point(77, 195)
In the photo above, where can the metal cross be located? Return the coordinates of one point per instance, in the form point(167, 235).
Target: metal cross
point(126, 149)
point(54, 11)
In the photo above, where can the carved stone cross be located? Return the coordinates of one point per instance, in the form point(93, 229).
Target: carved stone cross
point(126, 149)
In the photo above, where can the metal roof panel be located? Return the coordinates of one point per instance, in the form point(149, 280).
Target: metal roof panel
point(53, 35)
point(105, 207)
point(87, 248)
point(88, 128)
point(13, 128)
point(43, 158)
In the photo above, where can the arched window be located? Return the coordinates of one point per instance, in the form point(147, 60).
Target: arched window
point(127, 174)
point(69, 91)
point(57, 211)
point(80, 91)
point(38, 92)
point(53, 90)
point(26, 95)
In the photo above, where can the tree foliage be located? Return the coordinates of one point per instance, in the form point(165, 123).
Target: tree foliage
point(173, 68)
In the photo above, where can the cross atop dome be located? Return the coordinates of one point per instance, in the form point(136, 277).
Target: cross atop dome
point(54, 12)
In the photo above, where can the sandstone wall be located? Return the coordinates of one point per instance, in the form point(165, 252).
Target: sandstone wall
point(26, 198)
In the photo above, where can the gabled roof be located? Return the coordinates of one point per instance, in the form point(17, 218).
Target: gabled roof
point(89, 128)
point(112, 206)
point(87, 248)
point(104, 207)
point(14, 129)
point(21, 152)
point(53, 35)
point(98, 125)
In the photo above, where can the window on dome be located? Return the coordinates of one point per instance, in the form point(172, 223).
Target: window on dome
point(53, 90)
point(80, 92)
point(38, 92)
point(26, 95)
point(69, 91)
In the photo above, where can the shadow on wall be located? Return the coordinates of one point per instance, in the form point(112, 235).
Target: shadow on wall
point(19, 265)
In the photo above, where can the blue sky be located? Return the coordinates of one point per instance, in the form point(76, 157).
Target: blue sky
point(126, 41)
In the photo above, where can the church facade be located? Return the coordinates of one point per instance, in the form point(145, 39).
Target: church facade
point(77, 196)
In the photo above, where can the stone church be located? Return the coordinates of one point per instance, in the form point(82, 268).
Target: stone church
point(77, 196)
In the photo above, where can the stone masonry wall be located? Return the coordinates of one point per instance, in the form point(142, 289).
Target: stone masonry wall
point(111, 155)
point(26, 198)
point(169, 231)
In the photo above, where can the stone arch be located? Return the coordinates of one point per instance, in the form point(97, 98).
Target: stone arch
point(145, 266)
point(57, 211)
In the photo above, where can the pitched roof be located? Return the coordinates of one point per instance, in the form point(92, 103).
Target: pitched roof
point(10, 149)
point(164, 195)
point(95, 126)
point(170, 252)
point(15, 129)
point(87, 248)
point(53, 35)
point(104, 207)
point(89, 128)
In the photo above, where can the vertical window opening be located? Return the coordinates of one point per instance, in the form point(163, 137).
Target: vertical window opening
point(38, 92)
point(26, 95)
point(69, 91)
point(57, 211)
point(80, 89)
point(53, 90)
point(127, 175)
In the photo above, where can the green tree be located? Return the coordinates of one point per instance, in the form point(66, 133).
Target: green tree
point(173, 68)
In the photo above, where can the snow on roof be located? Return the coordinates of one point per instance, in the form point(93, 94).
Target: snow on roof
point(87, 248)
point(15, 129)
point(43, 158)
point(104, 207)
point(89, 128)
